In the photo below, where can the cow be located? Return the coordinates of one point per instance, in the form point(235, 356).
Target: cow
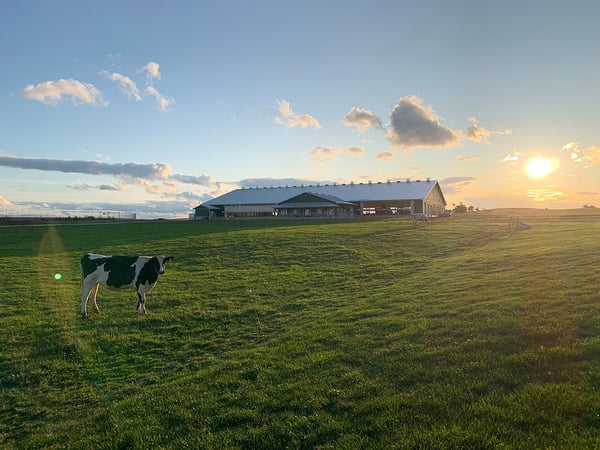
point(420, 217)
point(119, 272)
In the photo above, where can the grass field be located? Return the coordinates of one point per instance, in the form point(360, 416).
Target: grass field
point(353, 334)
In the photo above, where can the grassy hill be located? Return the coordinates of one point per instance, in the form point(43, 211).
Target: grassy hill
point(308, 334)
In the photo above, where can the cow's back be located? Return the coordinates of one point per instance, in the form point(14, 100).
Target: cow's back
point(111, 271)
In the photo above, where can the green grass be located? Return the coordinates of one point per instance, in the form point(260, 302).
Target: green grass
point(308, 334)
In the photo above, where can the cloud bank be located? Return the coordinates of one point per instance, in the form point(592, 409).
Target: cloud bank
point(157, 171)
point(154, 178)
point(127, 171)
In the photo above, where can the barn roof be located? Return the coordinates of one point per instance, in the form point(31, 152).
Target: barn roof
point(312, 200)
point(352, 192)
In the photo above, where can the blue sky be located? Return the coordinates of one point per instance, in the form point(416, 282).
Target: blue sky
point(154, 107)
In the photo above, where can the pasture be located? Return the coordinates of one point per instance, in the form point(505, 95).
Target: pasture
point(350, 334)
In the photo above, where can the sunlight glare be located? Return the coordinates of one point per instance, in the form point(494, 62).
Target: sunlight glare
point(539, 167)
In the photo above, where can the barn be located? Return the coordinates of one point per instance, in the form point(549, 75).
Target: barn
point(328, 200)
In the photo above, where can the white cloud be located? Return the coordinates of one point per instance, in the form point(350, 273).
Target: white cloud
point(512, 157)
point(361, 119)
point(79, 186)
point(480, 135)
point(130, 88)
point(163, 102)
point(386, 156)
point(545, 195)
point(453, 185)
point(267, 182)
point(127, 85)
point(53, 92)
point(324, 154)
point(4, 201)
point(163, 188)
point(462, 158)
point(414, 125)
point(152, 70)
point(588, 156)
point(203, 180)
point(285, 116)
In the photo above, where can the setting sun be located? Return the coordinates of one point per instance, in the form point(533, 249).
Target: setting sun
point(539, 167)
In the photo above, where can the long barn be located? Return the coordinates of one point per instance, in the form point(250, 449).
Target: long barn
point(328, 200)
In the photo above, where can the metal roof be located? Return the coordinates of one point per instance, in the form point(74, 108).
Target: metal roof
point(329, 200)
point(352, 192)
point(306, 205)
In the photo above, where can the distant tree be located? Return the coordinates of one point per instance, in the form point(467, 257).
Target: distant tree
point(460, 208)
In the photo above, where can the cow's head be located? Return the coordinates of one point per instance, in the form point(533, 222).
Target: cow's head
point(162, 261)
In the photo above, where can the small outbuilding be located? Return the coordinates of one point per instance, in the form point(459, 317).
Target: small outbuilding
point(207, 212)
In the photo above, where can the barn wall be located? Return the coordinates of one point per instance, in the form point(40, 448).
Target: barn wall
point(434, 202)
point(249, 210)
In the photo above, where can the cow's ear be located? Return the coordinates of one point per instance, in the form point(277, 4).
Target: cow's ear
point(169, 258)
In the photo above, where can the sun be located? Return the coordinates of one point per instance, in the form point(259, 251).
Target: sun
point(539, 167)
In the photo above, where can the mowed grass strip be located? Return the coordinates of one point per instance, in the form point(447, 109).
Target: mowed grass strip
point(309, 334)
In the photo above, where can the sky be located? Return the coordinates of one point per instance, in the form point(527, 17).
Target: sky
point(153, 107)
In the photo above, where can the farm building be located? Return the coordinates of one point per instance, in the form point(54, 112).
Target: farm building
point(328, 200)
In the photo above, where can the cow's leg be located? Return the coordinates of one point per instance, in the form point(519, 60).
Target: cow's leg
point(93, 293)
point(84, 297)
point(141, 307)
point(85, 293)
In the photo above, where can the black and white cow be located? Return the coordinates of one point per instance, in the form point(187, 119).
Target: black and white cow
point(119, 272)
